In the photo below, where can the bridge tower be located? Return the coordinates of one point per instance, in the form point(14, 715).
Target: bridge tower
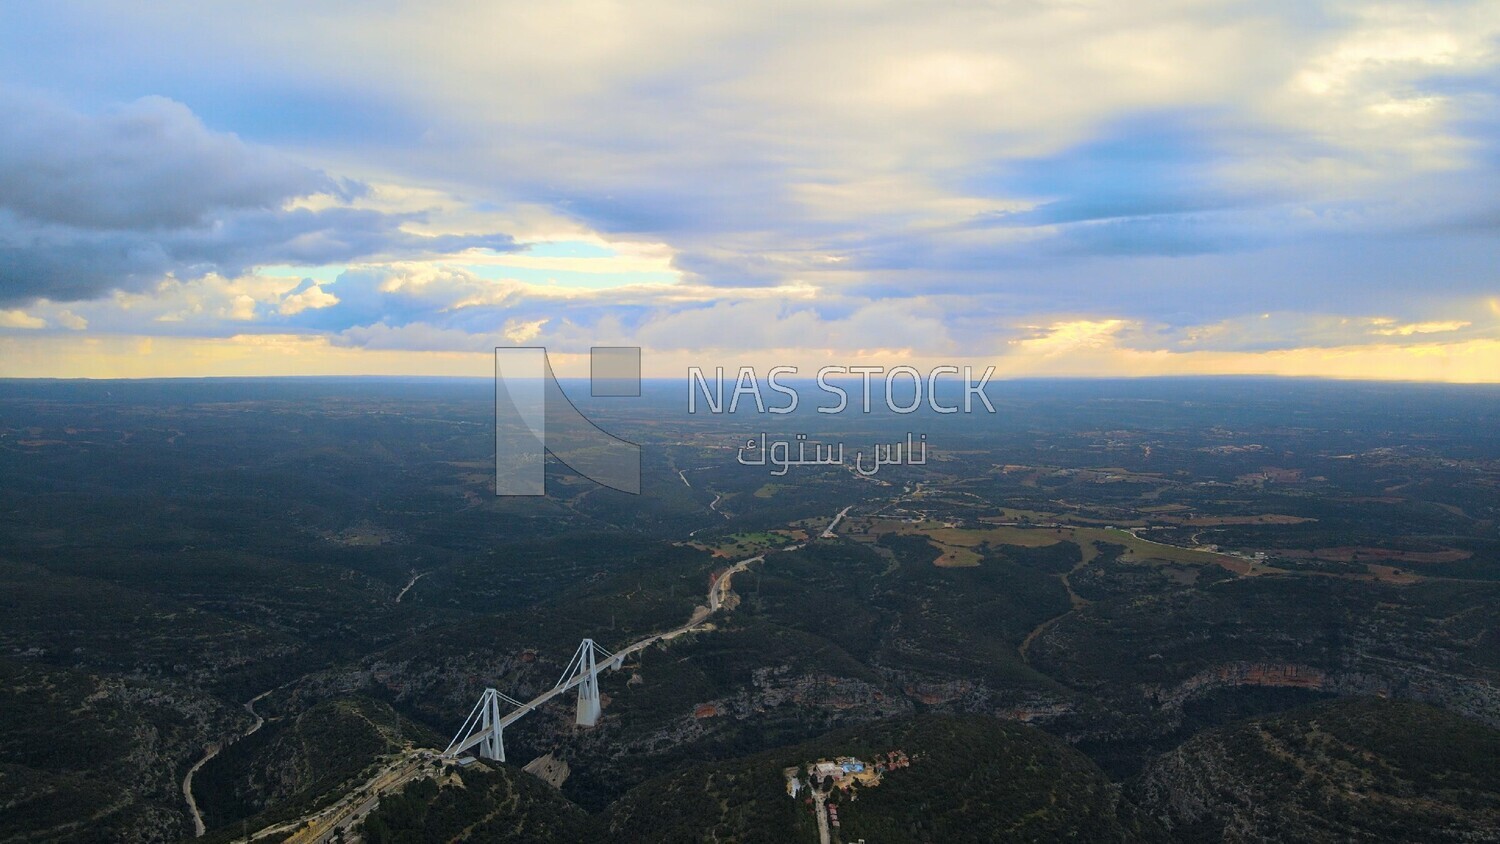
point(493, 745)
point(588, 686)
point(484, 729)
point(583, 671)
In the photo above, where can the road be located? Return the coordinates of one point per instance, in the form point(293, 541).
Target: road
point(350, 811)
point(409, 584)
point(210, 752)
point(720, 588)
point(187, 789)
point(714, 507)
point(828, 532)
point(822, 812)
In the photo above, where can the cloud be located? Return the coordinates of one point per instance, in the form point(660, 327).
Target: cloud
point(307, 297)
point(764, 146)
point(69, 320)
point(1389, 329)
point(20, 319)
point(143, 166)
point(1281, 330)
point(657, 322)
point(241, 309)
point(1063, 338)
point(121, 199)
point(1141, 181)
point(522, 331)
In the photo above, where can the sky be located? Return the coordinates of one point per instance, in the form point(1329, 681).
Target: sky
point(1074, 188)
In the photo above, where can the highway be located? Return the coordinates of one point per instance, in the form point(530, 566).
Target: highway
point(350, 810)
point(828, 532)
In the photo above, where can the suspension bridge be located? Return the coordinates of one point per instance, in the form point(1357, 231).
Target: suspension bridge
point(483, 731)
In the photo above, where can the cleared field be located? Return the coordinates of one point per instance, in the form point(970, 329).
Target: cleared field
point(953, 558)
point(955, 545)
point(1220, 521)
point(1138, 550)
point(1008, 514)
point(1356, 554)
point(1391, 574)
point(1163, 514)
point(748, 544)
point(1003, 535)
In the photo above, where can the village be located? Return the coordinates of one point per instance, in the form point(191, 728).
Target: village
point(832, 783)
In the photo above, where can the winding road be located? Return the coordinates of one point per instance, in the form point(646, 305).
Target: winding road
point(210, 752)
point(714, 506)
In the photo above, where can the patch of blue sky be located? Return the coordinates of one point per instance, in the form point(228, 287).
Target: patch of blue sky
point(569, 249)
point(323, 275)
point(1161, 163)
point(292, 111)
point(577, 279)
